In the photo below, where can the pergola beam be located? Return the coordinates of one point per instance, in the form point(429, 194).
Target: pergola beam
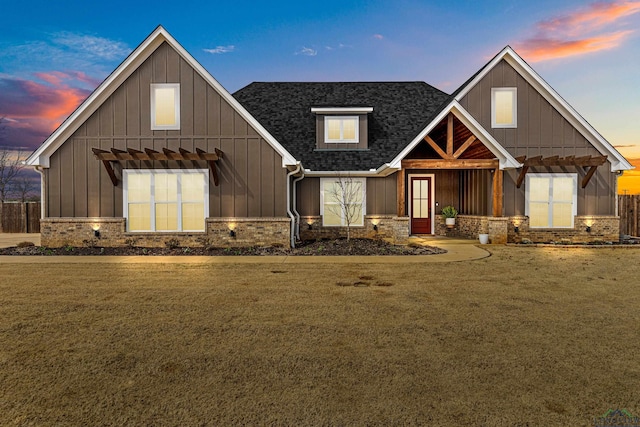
point(131, 154)
point(591, 162)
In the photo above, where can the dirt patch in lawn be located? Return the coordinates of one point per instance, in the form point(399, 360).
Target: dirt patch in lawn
point(307, 248)
point(528, 336)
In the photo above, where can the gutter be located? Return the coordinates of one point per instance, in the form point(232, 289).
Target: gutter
point(289, 213)
point(295, 204)
point(43, 189)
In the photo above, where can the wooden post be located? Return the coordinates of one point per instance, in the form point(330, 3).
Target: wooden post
point(497, 192)
point(450, 135)
point(400, 189)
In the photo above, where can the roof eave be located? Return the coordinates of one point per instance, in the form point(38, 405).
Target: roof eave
point(40, 157)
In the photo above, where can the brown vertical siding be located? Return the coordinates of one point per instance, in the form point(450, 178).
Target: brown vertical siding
point(541, 131)
point(475, 192)
point(252, 179)
point(381, 195)
point(308, 197)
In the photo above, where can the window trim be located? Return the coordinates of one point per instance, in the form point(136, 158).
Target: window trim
point(355, 140)
point(514, 107)
point(176, 99)
point(152, 203)
point(363, 182)
point(574, 200)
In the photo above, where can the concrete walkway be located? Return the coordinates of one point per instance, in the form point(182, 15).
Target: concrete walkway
point(457, 250)
point(8, 240)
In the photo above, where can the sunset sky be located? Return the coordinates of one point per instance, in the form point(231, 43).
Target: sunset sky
point(51, 58)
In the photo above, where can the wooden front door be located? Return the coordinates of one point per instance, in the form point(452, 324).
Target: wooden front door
point(420, 188)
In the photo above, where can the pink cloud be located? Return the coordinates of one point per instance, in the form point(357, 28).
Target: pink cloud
point(378, 36)
point(591, 29)
point(35, 109)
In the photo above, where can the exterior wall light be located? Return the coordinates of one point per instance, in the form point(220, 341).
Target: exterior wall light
point(588, 229)
point(375, 227)
point(96, 233)
point(310, 225)
point(232, 233)
point(516, 229)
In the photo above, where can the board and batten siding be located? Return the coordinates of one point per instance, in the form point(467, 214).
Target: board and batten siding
point(252, 179)
point(541, 131)
point(381, 196)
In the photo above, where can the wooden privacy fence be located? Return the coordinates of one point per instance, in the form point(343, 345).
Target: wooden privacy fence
point(20, 217)
point(629, 209)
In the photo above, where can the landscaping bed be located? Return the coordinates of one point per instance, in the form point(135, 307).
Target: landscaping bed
point(306, 248)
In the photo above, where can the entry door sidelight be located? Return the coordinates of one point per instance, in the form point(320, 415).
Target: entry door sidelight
point(420, 205)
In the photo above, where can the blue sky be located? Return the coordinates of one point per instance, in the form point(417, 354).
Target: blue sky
point(52, 57)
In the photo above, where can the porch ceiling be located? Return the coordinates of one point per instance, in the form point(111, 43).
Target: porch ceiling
point(451, 140)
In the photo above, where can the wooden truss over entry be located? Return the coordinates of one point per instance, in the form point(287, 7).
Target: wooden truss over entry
point(586, 162)
point(116, 155)
point(458, 149)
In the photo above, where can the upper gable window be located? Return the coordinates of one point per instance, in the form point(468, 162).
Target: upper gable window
point(504, 107)
point(339, 129)
point(165, 106)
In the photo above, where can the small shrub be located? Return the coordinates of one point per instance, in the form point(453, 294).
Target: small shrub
point(172, 243)
point(68, 248)
point(25, 244)
point(186, 250)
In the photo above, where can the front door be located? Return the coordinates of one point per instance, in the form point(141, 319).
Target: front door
point(420, 205)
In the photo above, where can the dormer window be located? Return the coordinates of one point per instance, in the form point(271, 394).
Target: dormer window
point(339, 129)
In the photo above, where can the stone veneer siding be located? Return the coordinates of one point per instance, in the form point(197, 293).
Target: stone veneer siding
point(502, 229)
point(59, 232)
point(393, 229)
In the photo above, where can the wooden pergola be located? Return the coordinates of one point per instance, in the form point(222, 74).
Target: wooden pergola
point(590, 162)
point(131, 154)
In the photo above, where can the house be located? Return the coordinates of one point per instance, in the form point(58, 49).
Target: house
point(161, 151)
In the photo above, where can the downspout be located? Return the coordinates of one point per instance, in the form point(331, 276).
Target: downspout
point(43, 189)
point(289, 213)
point(295, 211)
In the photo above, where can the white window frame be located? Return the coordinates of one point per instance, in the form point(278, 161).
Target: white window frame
point(514, 107)
point(152, 203)
point(342, 119)
point(176, 98)
point(574, 207)
point(363, 185)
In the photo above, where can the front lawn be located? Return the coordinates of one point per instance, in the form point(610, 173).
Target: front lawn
point(528, 336)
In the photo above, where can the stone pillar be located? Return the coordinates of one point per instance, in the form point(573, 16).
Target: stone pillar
point(498, 230)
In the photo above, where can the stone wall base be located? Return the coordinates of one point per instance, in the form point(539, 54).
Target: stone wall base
point(503, 229)
point(390, 228)
point(111, 232)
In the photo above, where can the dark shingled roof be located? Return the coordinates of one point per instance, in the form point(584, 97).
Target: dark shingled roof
point(400, 111)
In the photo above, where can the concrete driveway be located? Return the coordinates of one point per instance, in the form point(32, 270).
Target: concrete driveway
point(8, 240)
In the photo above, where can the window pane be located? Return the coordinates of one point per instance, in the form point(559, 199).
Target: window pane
point(538, 214)
point(349, 128)
point(332, 215)
point(166, 187)
point(166, 216)
point(139, 217)
point(192, 187)
point(563, 189)
point(504, 107)
point(332, 192)
point(165, 105)
point(415, 209)
point(424, 208)
point(355, 191)
point(333, 128)
point(355, 214)
point(539, 189)
point(562, 215)
point(138, 187)
point(193, 216)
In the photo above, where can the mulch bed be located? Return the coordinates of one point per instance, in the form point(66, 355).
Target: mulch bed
point(306, 248)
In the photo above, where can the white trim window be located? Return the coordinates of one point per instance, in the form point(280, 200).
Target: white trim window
point(340, 129)
point(165, 200)
point(551, 199)
point(343, 201)
point(165, 106)
point(504, 107)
